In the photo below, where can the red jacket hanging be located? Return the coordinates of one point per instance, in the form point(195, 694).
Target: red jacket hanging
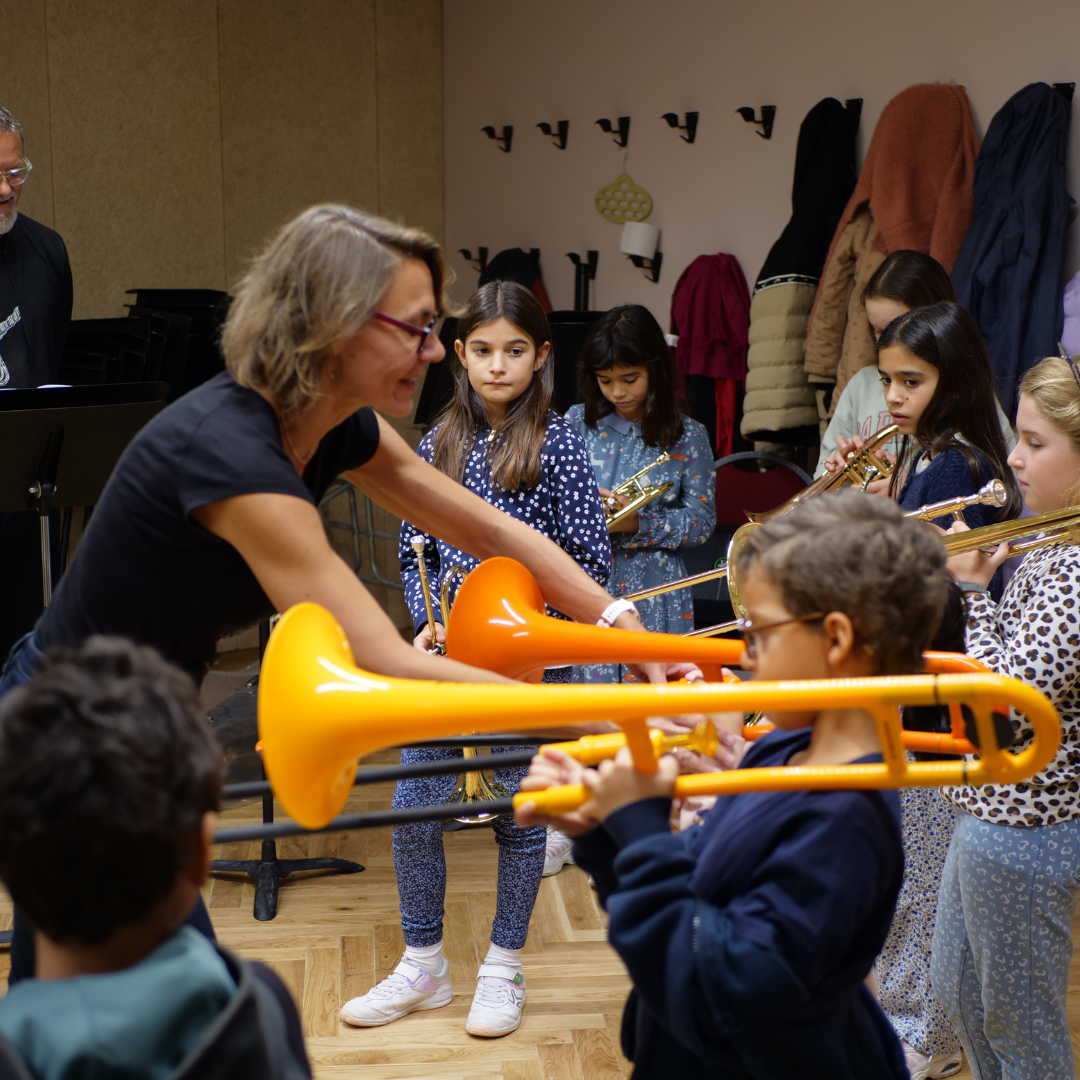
point(710, 311)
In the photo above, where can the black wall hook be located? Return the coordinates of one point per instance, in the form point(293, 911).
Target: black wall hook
point(1065, 89)
point(480, 262)
point(584, 272)
point(562, 129)
point(650, 266)
point(768, 115)
point(690, 126)
point(504, 139)
point(624, 129)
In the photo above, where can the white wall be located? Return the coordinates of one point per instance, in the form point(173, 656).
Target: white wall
point(520, 63)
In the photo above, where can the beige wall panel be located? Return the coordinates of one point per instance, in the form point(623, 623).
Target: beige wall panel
point(298, 114)
point(136, 135)
point(409, 42)
point(24, 92)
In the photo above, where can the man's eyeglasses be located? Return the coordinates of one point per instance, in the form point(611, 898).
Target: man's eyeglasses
point(423, 333)
point(750, 632)
point(17, 177)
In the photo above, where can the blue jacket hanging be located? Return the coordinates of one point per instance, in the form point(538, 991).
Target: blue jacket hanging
point(1009, 272)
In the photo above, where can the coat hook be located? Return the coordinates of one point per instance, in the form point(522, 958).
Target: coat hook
point(690, 125)
point(1065, 89)
point(480, 262)
point(854, 106)
point(768, 115)
point(504, 139)
point(650, 266)
point(584, 272)
point(559, 135)
point(624, 129)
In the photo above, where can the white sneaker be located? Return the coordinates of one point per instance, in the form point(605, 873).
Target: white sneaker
point(560, 851)
point(933, 1067)
point(498, 1001)
point(407, 989)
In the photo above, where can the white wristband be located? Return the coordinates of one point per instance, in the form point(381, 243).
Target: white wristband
point(614, 610)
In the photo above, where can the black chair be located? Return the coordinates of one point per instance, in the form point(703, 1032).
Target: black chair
point(741, 485)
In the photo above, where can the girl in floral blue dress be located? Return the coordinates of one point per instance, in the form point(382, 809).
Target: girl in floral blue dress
point(629, 417)
point(499, 438)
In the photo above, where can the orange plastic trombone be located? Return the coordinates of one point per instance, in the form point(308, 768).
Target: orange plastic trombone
point(319, 714)
point(498, 622)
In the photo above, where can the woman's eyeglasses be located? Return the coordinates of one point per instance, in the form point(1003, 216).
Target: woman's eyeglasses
point(750, 632)
point(423, 333)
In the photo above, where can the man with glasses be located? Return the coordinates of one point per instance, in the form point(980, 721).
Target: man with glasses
point(35, 309)
point(35, 278)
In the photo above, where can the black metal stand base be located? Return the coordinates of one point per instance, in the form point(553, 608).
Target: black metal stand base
point(267, 871)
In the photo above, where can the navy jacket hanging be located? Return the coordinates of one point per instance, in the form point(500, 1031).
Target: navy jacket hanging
point(1009, 272)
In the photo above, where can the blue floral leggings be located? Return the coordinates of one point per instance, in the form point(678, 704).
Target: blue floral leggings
point(420, 862)
point(1002, 946)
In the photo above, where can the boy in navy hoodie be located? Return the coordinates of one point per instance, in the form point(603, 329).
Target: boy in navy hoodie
point(748, 937)
point(109, 787)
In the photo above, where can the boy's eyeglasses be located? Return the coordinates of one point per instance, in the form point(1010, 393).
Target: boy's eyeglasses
point(750, 632)
point(423, 333)
point(17, 177)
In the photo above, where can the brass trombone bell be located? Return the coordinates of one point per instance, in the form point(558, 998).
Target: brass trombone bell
point(319, 714)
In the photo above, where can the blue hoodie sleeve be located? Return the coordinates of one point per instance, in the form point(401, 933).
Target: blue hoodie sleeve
point(708, 971)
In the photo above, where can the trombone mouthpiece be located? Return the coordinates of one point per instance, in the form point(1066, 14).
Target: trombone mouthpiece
point(417, 544)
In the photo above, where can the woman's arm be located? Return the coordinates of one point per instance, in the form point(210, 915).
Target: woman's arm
point(415, 491)
point(691, 520)
point(283, 541)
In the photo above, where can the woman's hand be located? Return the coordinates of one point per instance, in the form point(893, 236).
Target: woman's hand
point(975, 566)
point(630, 522)
point(553, 768)
point(422, 641)
point(617, 784)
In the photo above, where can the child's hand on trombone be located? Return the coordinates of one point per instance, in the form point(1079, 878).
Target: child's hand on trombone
point(554, 768)
point(422, 641)
point(617, 783)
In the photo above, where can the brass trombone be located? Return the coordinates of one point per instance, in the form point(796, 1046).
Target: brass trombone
point(472, 786)
point(638, 490)
point(863, 467)
point(993, 493)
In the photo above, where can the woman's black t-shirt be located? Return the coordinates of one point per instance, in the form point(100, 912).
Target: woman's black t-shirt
point(145, 569)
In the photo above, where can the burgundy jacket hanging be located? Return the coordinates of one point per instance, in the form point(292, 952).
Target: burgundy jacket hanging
point(710, 311)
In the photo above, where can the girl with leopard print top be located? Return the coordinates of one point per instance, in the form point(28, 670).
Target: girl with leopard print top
point(1002, 943)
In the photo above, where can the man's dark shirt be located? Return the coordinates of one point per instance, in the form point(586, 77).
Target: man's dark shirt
point(36, 278)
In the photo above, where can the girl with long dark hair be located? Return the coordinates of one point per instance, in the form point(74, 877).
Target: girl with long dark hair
point(629, 416)
point(498, 438)
point(905, 280)
point(939, 389)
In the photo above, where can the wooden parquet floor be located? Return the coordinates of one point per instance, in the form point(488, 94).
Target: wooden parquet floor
point(336, 935)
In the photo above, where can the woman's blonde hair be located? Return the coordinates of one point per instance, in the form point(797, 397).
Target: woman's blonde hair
point(316, 283)
point(1052, 385)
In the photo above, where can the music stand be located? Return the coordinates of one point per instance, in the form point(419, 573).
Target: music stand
point(59, 445)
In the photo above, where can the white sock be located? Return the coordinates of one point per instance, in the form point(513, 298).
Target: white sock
point(428, 957)
point(510, 958)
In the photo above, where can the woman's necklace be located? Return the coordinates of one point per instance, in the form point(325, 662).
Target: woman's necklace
point(303, 460)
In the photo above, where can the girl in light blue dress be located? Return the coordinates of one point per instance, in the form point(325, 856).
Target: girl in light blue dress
point(630, 415)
